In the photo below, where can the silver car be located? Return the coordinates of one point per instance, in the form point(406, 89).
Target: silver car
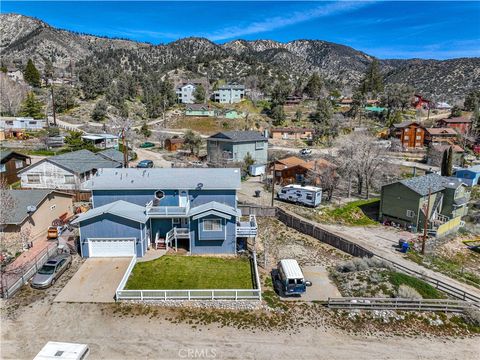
point(51, 271)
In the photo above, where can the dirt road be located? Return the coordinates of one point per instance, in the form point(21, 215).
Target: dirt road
point(146, 337)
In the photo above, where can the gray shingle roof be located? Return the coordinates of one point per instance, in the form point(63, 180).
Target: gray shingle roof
point(22, 199)
point(6, 153)
point(112, 154)
point(231, 86)
point(431, 182)
point(213, 205)
point(239, 136)
point(119, 208)
point(79, 162)
point(166, 179)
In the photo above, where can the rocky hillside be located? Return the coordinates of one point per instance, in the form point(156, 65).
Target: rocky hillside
point(23, 37)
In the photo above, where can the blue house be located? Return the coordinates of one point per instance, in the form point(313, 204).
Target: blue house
point(135, 209)
point(470, 176)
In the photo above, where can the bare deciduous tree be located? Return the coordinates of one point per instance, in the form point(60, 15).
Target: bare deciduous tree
point(11, 95)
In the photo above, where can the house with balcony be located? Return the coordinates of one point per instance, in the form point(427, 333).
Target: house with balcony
point(186, 93)
point(442, 199)
point(233, 146)
point(229, 94)
point(411, 134)
point(163, 208)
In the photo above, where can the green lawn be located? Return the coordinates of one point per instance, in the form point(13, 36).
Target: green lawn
point(426, 290)
point(172, 272)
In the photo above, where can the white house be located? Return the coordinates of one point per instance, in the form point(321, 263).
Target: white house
point(185, 93)
point(229, 94)
point(21, 123)
point(66, 171)
point(102, 141)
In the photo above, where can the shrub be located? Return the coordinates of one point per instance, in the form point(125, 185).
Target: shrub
point(361, 264)
point(472, 316)
point(375, 278)
point(427, 291)
point(407, 292)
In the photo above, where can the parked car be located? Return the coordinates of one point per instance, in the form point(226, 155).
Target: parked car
point(147, 144)
point(306, 151)
point(51, 271)
point(145, 164)
point(288, 278)
point(54, 232)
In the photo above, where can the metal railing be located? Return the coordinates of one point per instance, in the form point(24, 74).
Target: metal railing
point(166, 210)
point(20, 277)
point(399, 304)
point(249, 228)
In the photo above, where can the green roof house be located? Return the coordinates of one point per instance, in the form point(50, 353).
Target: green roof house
point(199, 110)
point(232, 114)
point(404, 202)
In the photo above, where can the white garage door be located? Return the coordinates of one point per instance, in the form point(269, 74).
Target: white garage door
point(111, 247)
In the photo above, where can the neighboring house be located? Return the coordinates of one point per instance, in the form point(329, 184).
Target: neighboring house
point(470, 176)
point(11, 163)
point(292, 133)
point(411, 134)
point(199, 110)
point(419, 102)
point(35, 210)
point(114, 155)
point(440, 135)
point(229, 94)
point(404, 202)
point(193, 209)
point(14, 124)
point(293, 100)
point(102, 141)
point(185, 93)
point(232, 114)
point(435, 154)
point(66, 171)
point(293, 170)
point(443, 106)
point(235, 145)
point(173, 144)
point(461, 124)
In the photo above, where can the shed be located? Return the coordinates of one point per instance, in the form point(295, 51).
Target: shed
point(173, 144)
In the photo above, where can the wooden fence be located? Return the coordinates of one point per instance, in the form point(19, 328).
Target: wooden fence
point(323, 235)
point(257, 210)
point(399, 304)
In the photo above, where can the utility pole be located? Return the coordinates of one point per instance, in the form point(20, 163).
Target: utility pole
point(425, 225)
point(53, 106)
point(125, 150)
point(273, 182)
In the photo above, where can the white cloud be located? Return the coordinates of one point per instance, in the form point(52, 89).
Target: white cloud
point(282, 21)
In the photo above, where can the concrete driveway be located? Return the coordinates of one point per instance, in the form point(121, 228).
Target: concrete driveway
point(95, 281)
point(322, 287)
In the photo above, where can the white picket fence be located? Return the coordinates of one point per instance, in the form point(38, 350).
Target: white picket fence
point(11, 287)
point(188, 294)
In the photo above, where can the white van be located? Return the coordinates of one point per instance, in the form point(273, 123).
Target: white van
point(288, 279)
point(63, 351)
point(298, 194)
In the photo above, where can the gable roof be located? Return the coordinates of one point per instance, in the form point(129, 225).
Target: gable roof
point(78, 162)
point(197, 107)
point(165, 179)
point(406, 124)
point(431, 182)
point(441, 131)
point(112, 154)
point(6, 154)
point(121, 208)
point(24, 198)
point(231, 87)
point(238, 136)
point(443, 147)
point(213, 207)
point(459, 119)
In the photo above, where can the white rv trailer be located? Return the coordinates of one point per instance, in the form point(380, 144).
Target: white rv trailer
point(63, 351)
point(298, 194)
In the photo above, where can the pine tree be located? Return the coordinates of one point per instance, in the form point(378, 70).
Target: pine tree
point(443, 166)
point(99, 112)
point(31, 74)
point(372, 83)
point(449, 169)
point(32, 107)
point(314, 86)
point(199, 94)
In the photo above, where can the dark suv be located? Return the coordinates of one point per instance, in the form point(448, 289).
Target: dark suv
point(145, 164)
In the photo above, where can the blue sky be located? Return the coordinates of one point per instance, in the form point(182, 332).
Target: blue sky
point(399, 29)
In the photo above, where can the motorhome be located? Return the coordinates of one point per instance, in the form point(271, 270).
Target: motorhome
point(305, 195)
point(288, 279)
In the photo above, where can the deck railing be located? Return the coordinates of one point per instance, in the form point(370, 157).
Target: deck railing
point(248, 229)
point(166, 210)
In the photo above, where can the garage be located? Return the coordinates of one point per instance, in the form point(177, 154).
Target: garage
point(111, 247)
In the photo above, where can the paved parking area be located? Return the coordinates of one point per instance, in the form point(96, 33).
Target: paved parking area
point(95, 281)
point(322, 287)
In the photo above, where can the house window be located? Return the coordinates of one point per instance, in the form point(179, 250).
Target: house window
point(33, 178)
point(418, 130)
point(159, 194)
point(410, 213)
point(18, 164)
point(69, 179)
point(406, 137)
point(259, 145)
point(3, 168)
point(212, 225)
point(176, 221)
point(418, 137)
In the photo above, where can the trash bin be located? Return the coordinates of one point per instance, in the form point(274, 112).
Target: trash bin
point(405, 247)
point(257, 193)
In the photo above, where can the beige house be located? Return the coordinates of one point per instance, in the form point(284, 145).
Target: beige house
point(33, 211)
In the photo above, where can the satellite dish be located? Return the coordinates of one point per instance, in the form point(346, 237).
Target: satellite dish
point(31, 209)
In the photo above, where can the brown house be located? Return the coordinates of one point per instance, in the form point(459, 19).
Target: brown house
point(440, 135)
point(411, 134)
point(295, 170)
point(173, 144)
point(35, 210)
point(461, 124)
point(292, 133)
point(435, 154)
point(11, 163)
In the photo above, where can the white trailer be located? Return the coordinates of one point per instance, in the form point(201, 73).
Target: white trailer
point(305, 195)
point(63, 351)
